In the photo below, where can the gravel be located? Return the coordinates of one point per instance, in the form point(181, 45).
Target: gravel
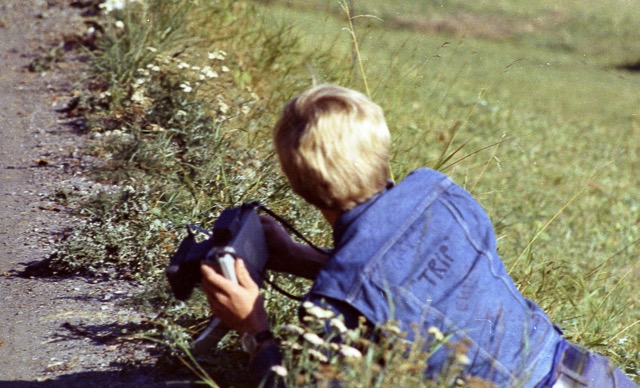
point(54, 331)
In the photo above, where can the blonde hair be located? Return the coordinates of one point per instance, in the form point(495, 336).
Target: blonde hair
point(333, 145)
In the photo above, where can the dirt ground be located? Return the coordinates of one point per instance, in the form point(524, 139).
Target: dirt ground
point(53, 331)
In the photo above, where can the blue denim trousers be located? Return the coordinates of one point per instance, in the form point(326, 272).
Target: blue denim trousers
point(578, 367)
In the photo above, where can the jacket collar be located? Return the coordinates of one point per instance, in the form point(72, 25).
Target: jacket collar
point(350, 216)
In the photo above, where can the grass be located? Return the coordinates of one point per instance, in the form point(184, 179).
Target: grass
point(527, 95)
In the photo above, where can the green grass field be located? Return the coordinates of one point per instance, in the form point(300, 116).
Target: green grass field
point(542, 77)
point(527, 105)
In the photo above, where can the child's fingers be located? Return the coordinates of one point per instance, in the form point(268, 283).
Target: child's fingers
point(217, 283)
point(243, 275)
point(212, 280)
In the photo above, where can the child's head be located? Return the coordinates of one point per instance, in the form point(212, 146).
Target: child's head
point(333, 145)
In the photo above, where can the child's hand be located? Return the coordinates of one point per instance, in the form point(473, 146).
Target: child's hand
point(238, 305)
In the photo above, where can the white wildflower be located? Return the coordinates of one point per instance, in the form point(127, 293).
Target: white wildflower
point(113, 5)
point(338, 325)
point(313, 338)
point(155, 68)
point(224, 69)
point(463, 359)
point(155, 128)
point(320, 313)
point(245, 110)
point(393, 329)
point(138, 96)
point(218, 54)
point(119, 24)
point(279, 370)
point(317, 311)
point(318, 356)
point(436, 333)
point(291, 345)
point(186, 87)
point(222, 106)
point(183, 65)
point(292, 329)
point(208, 72)
point(349, 351)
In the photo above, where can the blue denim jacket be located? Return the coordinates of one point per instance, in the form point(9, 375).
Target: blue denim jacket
point(424, 252)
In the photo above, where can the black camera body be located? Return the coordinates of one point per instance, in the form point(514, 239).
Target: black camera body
point(236, 233)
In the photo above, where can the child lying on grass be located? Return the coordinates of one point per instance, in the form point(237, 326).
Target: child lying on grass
point(420, 252)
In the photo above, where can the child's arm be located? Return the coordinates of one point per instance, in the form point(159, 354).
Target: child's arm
point(286, 255)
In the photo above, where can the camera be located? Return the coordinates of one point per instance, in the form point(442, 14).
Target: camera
point(236, 233)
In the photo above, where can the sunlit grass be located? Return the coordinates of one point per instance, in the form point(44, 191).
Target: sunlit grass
point(535, 123)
